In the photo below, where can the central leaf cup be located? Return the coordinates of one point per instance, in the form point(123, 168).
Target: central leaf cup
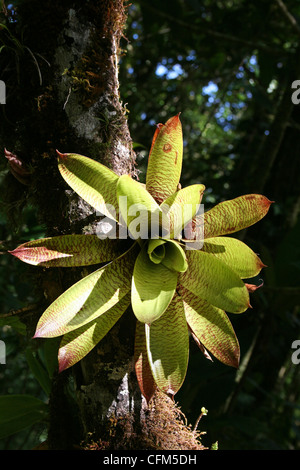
point(160, 260)
point(155, 277)
point(169, 253)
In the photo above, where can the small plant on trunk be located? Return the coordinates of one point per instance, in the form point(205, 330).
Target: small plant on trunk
point(161, 255)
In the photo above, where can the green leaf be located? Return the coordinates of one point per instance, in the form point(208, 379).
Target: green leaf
point(167, 343)
point(142, 367)
point(68, 251)
point(175, 258)
point(137, 207)
point(212, 280)
point(38, 371)
point(15, 322)
point(211, 327)
point(234, 215)
point(88, 298)
point(78, 343)
point(48, 352)
point(181, 207)
point(236, 254)
point(169, 253)
point(153, 286)
point(156, 250)
point(18, 412)
point(92, 181)
point(165, 160)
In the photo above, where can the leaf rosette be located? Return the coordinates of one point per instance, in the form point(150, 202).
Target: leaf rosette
point(180, 274)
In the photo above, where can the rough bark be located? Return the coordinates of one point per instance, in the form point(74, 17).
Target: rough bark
point(95, 113)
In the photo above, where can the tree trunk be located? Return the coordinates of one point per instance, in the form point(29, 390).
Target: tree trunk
point(63, 94)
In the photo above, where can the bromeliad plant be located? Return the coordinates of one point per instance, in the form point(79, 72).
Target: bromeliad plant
point(177, 284)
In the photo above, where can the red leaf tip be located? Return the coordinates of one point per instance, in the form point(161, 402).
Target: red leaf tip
point(262, 265)
point(17, 167)
point(63, 365)
point(42, 332)
point(268, 202)
point(253, 287)
point(63, 361)
point(61, 155)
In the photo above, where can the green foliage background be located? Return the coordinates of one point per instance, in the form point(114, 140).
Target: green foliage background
point(227, 66)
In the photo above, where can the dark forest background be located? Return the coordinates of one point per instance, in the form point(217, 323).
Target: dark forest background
point(228, 68)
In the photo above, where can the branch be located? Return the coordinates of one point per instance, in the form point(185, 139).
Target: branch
point(265, 157)
point(216, 34)
point(21, 311)
point(292, 20)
